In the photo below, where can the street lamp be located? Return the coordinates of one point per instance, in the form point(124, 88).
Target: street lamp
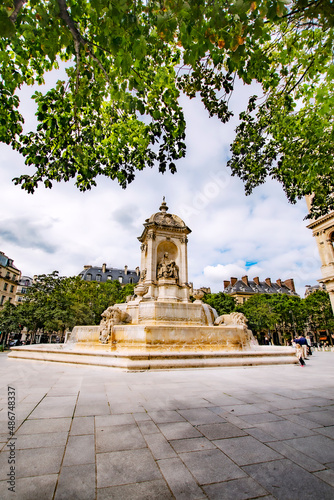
point(293, 321)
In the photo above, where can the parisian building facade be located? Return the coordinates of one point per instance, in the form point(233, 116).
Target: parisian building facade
point(22, 287)
point(104, 274)
point(242, 289)
point(323, 232)
point(9, 279)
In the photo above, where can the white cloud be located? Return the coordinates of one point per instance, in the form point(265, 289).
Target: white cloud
point(232, 234)
point(219, 273)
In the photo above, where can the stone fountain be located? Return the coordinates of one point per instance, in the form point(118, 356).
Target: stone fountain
point(160, 327)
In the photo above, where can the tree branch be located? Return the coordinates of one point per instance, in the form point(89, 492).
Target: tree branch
point(302, 77)
point(18, 4)
point(78, 39)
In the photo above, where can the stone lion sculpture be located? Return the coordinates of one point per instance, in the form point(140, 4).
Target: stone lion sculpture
point(235, 318)
point(244, 336)
point(110, 317)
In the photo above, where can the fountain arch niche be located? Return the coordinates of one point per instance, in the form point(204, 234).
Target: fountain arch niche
point(160, 327)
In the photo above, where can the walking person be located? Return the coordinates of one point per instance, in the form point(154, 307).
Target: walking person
point(298, 343)
point(309, 345)
point(303, 343)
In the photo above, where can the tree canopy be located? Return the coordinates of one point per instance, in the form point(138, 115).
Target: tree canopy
point(55, 303)
point(118, 111)
point(222, 302)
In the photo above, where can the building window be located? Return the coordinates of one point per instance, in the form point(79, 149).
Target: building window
point(88, 277)
point(11, 288)
point(2, 300)
point(109, 278)
point(98, 277)
point(131, 280)
point(5, 286)
point(120, 279)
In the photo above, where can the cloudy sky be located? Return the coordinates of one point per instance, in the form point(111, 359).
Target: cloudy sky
point(232, 235)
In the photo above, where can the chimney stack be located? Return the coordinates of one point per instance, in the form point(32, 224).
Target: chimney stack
point(244, 279)
point(104, 268)
point(233, 281)
point(226, 284)
point(279, 282)
point(290, 284)
point(87, 267)
point(125, 269)
point(268, 281)
point(256, 280)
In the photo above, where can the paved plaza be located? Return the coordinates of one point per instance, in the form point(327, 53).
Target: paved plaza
point(85, 432)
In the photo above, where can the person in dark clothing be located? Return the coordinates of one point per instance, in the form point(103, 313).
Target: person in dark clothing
point(309, 345)
point(301, 340)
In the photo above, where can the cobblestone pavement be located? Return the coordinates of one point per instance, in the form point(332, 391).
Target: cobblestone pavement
point(85, 432)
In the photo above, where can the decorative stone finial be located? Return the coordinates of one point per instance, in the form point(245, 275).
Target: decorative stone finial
point(163, 207)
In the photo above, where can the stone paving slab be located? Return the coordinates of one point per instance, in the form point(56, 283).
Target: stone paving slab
point(40, 426)
point(157, 490)
point(124, 467)
point(159, 446)
point(82, 425)
point(76, 482)
point(31, 488)
point(80, 450)
point(320, 448)
point(119, 438)
point(246, 450)
point(211, 466)
point(286, 480)
point(95, 433)
point(180, 480)
point(242, 489)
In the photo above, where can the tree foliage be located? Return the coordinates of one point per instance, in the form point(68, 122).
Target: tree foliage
point(280, 313)
point(319, 311)
point(221, 302)
point(275, 312)
point(54, 303)
point(118, 110)
point(9, 320)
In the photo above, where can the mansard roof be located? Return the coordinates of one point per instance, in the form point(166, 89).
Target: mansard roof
point(245, 286)
point(7, 262)
point(92, 273)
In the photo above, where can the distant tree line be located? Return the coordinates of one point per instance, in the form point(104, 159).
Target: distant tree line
point(279, 315)
point(55, 304)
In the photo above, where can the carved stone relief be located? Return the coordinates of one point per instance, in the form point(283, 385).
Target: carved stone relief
point(167, 268)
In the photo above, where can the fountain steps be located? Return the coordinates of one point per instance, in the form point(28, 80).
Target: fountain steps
point(141, 359)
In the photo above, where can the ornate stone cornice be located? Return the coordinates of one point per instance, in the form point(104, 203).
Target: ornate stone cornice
point(321, 220)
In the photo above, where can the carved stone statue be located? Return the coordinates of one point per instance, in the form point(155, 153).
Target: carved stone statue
point(235, 318)
point(110, 317)
point(143, 275)
point(167, 268)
